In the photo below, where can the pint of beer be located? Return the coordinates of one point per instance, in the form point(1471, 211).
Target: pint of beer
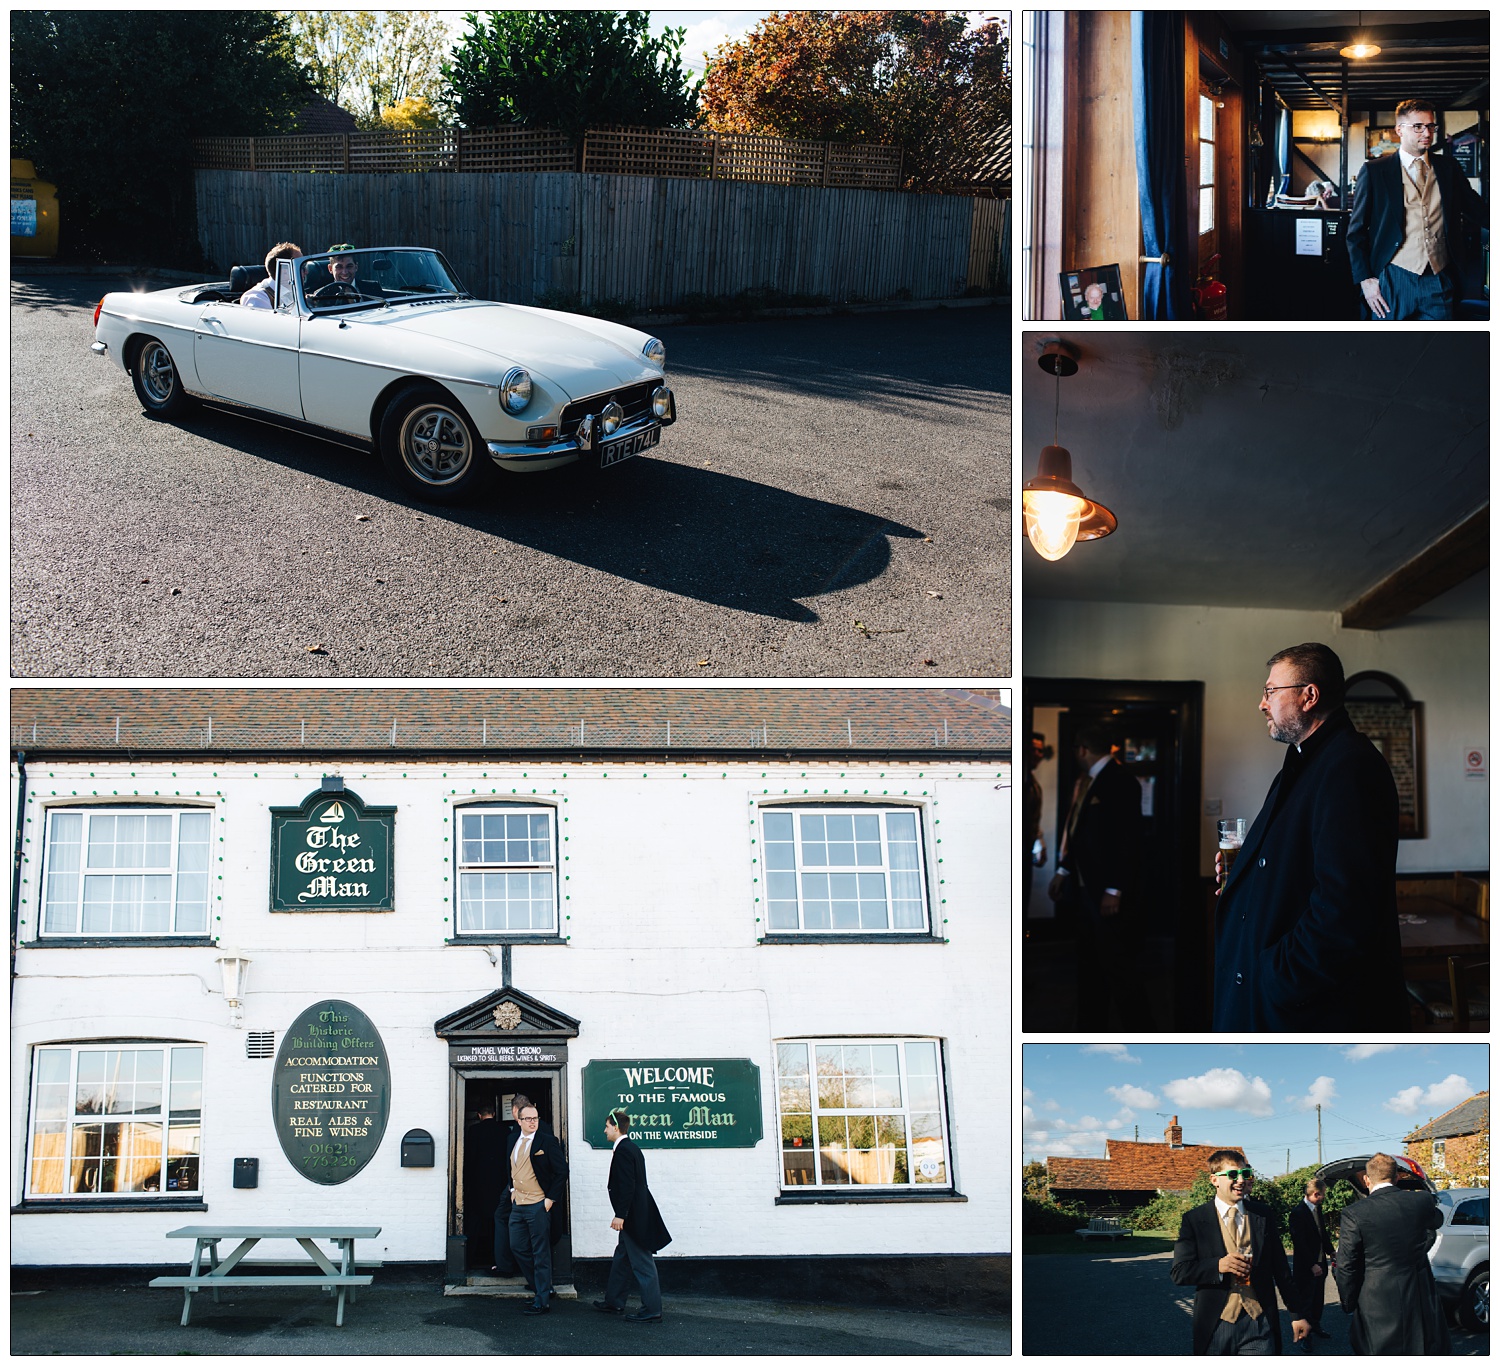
point(1231, 837)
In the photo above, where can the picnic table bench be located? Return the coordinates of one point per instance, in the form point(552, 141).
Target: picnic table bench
point(216, 1274)
point(1104, 1227)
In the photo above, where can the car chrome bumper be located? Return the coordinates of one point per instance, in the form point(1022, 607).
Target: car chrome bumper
point(522, 455)
point(99, 348)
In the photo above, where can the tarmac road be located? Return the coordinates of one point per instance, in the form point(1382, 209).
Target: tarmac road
point(825, 471)
point(1143, 1313)
point(402, 1317)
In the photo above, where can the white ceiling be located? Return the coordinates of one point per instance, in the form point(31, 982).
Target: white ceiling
point(1288, 469)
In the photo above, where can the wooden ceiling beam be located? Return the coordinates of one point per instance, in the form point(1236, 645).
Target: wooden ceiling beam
point(1446, 563)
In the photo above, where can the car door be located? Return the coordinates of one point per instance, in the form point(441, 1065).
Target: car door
point(249, 355)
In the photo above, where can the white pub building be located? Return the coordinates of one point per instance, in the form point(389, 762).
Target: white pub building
point(279, 954)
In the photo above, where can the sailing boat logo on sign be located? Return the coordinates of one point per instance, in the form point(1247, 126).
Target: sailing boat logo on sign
point(334, 815)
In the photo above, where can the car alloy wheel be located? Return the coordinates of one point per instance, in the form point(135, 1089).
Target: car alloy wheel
point(158, 374)
point(435, 444)
point(1474, 1307)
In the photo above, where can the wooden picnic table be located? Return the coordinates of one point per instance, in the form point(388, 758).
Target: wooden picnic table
point(215, 1273)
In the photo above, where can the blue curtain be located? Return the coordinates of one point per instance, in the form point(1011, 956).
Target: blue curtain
point(1283, 151)
point(1157, 66)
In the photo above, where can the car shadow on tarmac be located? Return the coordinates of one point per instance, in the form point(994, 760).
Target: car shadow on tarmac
point(704, 535)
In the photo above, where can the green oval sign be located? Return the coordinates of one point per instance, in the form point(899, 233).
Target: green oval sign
point(331, 1093)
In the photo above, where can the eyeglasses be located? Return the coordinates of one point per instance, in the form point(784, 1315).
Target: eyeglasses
point(1266, 692)
point(1430, 127)
point(1236, 1173)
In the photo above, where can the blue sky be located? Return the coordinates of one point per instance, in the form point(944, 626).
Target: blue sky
point(1257, 1096)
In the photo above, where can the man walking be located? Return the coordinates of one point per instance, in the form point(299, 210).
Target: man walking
point(1305, 936)
point(1383, 1274)
point(1312, 1251)
point(639, 1225)
point(538, 1175)
point(1230, 1250)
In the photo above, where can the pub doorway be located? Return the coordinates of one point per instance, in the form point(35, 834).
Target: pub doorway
point(485, 1136)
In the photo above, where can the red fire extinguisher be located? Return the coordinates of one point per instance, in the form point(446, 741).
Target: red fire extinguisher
point(1210, 294)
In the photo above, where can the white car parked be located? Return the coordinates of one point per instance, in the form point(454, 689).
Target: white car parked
point(395, 355)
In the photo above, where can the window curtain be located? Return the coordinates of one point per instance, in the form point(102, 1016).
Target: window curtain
point(1160, 137)
point(1283, 151)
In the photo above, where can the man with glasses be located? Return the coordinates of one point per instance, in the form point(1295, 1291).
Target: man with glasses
point(538, 1175)
point(1305, 935)
point(1229, 1249)
point(1405, 227)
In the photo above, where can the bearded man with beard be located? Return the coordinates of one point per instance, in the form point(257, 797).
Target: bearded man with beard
point(1305, 935)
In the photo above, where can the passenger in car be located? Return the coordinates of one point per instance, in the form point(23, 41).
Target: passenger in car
point(263, 295)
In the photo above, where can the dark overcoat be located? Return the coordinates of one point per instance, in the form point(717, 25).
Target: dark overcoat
point(1310, 1248)
point(1377, 224)
point(631, 1198)
point(1384, 1277)
point(1104, 847)
point(1305, 934)
point(1195, 1262)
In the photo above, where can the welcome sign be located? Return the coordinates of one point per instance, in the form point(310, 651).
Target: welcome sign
point(675, 1102)
point(332, 853)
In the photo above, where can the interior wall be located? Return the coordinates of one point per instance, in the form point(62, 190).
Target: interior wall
point(1443, 663)
point(1324, 122)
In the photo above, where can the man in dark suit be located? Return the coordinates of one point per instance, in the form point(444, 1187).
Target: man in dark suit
point(538, 1176)
point(1383, 1274)
point(1097, 882)
point(639, 1225)
point(1230, 1250)
point(1406, 227)
point(1305, 936)
point(1312, 1251)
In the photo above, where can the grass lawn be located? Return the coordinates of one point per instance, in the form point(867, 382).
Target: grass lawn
point(1139, 1244)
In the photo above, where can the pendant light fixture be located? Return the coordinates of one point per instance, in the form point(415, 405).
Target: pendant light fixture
point(1358, 50)
point(1057, 513)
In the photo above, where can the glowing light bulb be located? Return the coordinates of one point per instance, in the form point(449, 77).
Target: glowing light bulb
point(1052, 522)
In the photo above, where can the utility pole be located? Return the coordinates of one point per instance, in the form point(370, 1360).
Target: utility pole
point(1289, 1160)
point(1137, 1133)
point(1320, 1135)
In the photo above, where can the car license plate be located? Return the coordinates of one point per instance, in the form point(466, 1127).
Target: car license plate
point(634, 444)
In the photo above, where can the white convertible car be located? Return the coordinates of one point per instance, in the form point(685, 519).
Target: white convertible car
point(385, 349)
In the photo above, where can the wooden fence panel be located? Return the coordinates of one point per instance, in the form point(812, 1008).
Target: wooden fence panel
point(642, 242)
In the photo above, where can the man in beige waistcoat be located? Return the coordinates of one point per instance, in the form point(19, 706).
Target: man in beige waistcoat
point(538, 1176)
point(1405, 229)
point(1230, 1251)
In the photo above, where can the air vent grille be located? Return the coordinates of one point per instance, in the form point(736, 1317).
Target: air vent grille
point(260, 1043)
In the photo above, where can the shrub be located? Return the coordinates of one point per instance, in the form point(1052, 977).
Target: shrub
point(1048, 1216)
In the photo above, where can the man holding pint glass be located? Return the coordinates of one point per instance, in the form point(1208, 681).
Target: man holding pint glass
point(1229, 1249)
point(1305, 933)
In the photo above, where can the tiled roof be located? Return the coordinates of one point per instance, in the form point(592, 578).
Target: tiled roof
point(1469, 1117)
point(1133, 1167)
point(324, 116)
point(911, 721)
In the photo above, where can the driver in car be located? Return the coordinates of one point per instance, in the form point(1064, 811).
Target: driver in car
point(344, 268)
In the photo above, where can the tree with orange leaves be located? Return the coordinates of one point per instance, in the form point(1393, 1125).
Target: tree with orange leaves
point(923, 79)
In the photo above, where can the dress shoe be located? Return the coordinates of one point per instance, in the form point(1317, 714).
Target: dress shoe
point(641, 1316)
point(605, 1307)
point(537, 1307)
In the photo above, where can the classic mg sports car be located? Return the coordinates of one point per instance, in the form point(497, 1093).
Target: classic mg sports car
point(385, 349)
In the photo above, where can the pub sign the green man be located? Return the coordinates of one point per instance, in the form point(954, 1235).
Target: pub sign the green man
point(332, 853)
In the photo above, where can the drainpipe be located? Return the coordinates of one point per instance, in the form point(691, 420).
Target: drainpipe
point(15, 883)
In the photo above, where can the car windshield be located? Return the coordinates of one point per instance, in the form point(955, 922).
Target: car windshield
point(375, 276)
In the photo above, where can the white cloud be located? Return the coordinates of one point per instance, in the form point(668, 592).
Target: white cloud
point(1323, 1091)
point(1440, 1096)
point(706, 30)
point(1027, 1093)
point(1118, 1051)
point(1051, 1105)
point(1131, 1095)
point(1221, 1088)
point(1358, 1052)
point(1028, 1115)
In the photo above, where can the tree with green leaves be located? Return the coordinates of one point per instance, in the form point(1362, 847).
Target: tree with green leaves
point(369, 61)
point(568, 69)
point(107, 102)
point(925, 80)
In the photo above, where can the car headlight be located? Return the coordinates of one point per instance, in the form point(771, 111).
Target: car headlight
point(610, 417)
point(655, 352)
point(661, 401)
point(515, 390)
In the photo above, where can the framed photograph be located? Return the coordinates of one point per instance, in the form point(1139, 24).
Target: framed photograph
point(1092, 295)
point(1380, 142)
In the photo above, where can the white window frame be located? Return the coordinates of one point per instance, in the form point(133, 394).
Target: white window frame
point(804, 808)
point(463, 869)
point(43, 1106)
point(1440, 1154)
point(939, 1183)
point(88, 813)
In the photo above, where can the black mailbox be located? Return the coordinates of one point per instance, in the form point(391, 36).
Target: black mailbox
point(246, 1173)
point(417, 1149)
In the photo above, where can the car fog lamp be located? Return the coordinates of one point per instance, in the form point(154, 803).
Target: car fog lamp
point(655, 352)
point(661, 401)
point(610, 417)
point(515, 390)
